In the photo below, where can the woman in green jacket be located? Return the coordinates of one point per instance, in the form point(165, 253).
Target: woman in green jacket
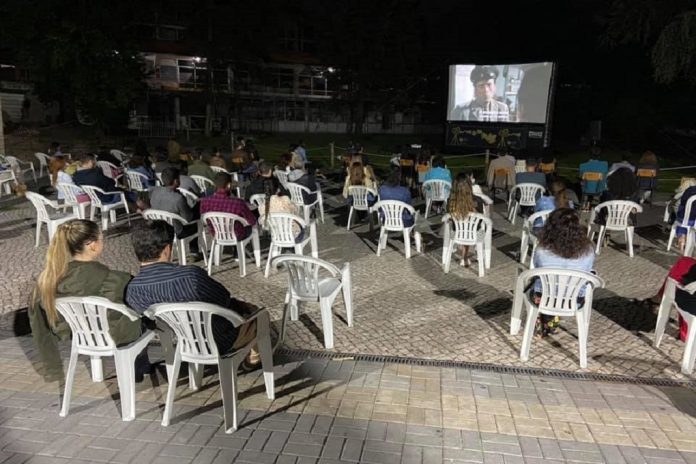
point(82, 275)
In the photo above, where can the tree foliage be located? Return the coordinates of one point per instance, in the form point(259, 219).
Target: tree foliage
point(667, 28)
point(80, 53)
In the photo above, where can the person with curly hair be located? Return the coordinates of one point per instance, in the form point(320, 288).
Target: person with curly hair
point(563, 244)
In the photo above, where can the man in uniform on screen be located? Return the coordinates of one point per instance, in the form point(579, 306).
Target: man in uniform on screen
point(484, 106)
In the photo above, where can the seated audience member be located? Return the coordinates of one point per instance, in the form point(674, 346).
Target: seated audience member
point(392, 189)
point(359, 175)
point(646, 173)
point(557, 198)
point(173, 151)
point(105, 155)
point(439, 171)
point(186, 183)
point(168, 198)
point(200, 168)
point(217, 160)
point(55, 150)
point(223, 202)
point(256, 186)
point(462, 202)
point(301, 151)
point(162, 162)
point(621, 185)
point(305, 178)
point(89, 174)
point(673, 204)
point(161, 281)
point(563, 244)
point(531, 176)
point(681, 214)
point(72, 269)
point(278, 201)
point(284, 162)
point(137, 163)
point(624, 163)
point(503, 162)
point(594, 175)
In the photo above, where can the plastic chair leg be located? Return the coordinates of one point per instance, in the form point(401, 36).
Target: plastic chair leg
point(69, 379)
point(241, 249)
point(256, 245)
point(195, 376)
point(407, 243)
point(419, 242)
point(171, 389)
point(327, 322)
point(582, 338)
point(600, 239)
point(447, 261)
point(524, 247)
point(428, 203)
point(380, 241)
point(689, 348)
point(663, 314)
point(228, 388)
point(263, 341)
point(480, 258)
point(97, 369)
point(528, 333)
point(125, 375)
point(38, 233)
point(268, 260)
point(672, 234)
point(211, 258)
point(350, 217)
point(284, 321)
point(629, 240)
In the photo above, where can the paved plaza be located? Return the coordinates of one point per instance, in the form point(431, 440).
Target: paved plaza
point(337, 408)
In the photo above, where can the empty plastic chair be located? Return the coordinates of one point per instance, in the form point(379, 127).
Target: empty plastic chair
point(52, 221)
point(617, 219)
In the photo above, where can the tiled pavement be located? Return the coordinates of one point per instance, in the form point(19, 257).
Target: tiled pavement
point(342, 410)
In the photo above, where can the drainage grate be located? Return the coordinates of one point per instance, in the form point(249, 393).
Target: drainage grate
point(500, 369)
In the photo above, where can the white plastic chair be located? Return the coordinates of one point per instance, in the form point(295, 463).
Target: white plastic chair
point(44, 161)
point(683, 223)
point(107, 211)
point(436, 190)
point(241, 184)
point(529, 194)
point(305, 284)
point(21, 167)
point(203, 183)
point(43, 217)
point(283, 235)
point(487, 202)
point(528, 237)
point(192, 326)
point(520, 167)
point(7, 178)
point(360, 195)
point(137, 181)
point(223, 235)
point(282, 177)
point(668, 302)
point(257, 200)
point(70, 193)
point(617, 218)
point(191, 198)
point(297, 197)
point(110, 170)
point(217, 169)
point(119, 155)
point(181, 245)
point(475, 230)
point(89, 323)
point(158, 178)
point(560, 289)
point(390, 214)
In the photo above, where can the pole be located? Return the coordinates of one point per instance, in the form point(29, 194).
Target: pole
point(331, 151)
point(488, 157)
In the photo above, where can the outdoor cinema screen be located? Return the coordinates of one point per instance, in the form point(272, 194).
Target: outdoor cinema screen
point(500, 93)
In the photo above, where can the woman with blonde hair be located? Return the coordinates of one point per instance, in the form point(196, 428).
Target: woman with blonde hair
point(72, 269)
point(359, 174)
point(460, 204)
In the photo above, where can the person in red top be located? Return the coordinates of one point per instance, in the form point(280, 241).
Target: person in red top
point(222, 201)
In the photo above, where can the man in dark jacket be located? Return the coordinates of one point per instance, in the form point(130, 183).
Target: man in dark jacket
point(89, 174)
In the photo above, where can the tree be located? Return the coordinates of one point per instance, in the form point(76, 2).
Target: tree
point(667, 28)
point(80, 53)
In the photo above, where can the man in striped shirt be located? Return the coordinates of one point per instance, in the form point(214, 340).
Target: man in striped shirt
point(161, 281)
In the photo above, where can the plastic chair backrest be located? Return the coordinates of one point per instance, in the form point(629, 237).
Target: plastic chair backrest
point(282, 177)
point(529, 193)
point(360, 195)
point(136, 180)
point(437, 190)
point(192, 324)
point(467, 229)
point(159, 215)
point(218, 169)
point(257, 199)
point(223, 225)
point(7, 175)
point(392, 213)
point(119, 155)
point(529, 223)
point(70, 193)
point(280, 225)
point(296, 191)
point(92, 193)
point(39, 202)
point(202, 182)
point(13, 161)
point(303, 273)
point(89, 322)
point(560, 288)
point(618, 212)
point(43, 158)
point(191, 198)
point(108, 169)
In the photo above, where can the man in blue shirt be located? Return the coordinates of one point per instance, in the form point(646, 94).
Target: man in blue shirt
point(531, 176)
point(392, 189)
point(594, 176)
point(161, 281)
